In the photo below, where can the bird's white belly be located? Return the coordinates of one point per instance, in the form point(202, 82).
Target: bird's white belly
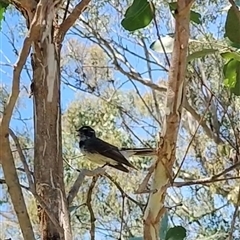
point(99, 159)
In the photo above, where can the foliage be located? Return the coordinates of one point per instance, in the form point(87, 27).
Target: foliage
point(3, 7)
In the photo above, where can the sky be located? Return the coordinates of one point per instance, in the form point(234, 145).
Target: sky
point(7, 56)
point(7, 59)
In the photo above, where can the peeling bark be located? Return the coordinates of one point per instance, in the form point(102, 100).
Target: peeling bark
point(48, 164)
point(167, 145)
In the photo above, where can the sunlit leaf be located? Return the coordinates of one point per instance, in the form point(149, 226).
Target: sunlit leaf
point(231, 72)
point(138, 15)
point(236, 89)
point(231, 55)
point(200, 54)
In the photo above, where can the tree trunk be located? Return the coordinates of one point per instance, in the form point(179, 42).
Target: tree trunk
point(168, 140)
point(45, 36)
point(48, 164)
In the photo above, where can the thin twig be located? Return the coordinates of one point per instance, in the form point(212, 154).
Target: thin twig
point(66, 10)
point(122, 216)
point(158, 35)
point(122, 191)
point(157, 109)
point(203, 124)
point(23, 159)
point(235, 214)
point(202, 181)
point(117, 57)
point(3, 181)
point(143, 186)
point(146, 105)
point(190, 143)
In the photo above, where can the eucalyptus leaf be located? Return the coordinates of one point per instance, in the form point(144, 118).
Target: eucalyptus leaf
point(200, 54)
point(231, 72)
point(3, 7)
point(230, 55)
point(232, 29)
point(176, 233)
point(138, 15)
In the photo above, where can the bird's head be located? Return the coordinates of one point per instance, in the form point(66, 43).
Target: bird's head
point(86, 132)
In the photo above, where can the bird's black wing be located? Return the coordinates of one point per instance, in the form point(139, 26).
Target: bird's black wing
point(96, 145)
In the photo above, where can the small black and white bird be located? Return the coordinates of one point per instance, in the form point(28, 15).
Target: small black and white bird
point(101, 152)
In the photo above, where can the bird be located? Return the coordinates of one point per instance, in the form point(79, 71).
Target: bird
point(106, 154)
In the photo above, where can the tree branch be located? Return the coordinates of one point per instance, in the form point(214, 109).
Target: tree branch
point(122, 191)
point(78, 182)
point(89, 205)
point(202, 181)
point(23, 159)
point(3, 181)
point(203, 124)
point(71, 19)
point(6, 156)
point(235, 215)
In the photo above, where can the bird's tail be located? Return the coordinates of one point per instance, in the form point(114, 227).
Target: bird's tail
point(128, 152)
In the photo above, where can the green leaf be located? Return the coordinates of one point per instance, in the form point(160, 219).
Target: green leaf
point(163, 226)
point(173, 7)
point(194, 16)
point(236, 89)
point(232, 44)
point(138, 15)
point(230, 55)
point(176, 233)
point(232, 29)
point(231, 73)
point(3, 7)
point(201, 53)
